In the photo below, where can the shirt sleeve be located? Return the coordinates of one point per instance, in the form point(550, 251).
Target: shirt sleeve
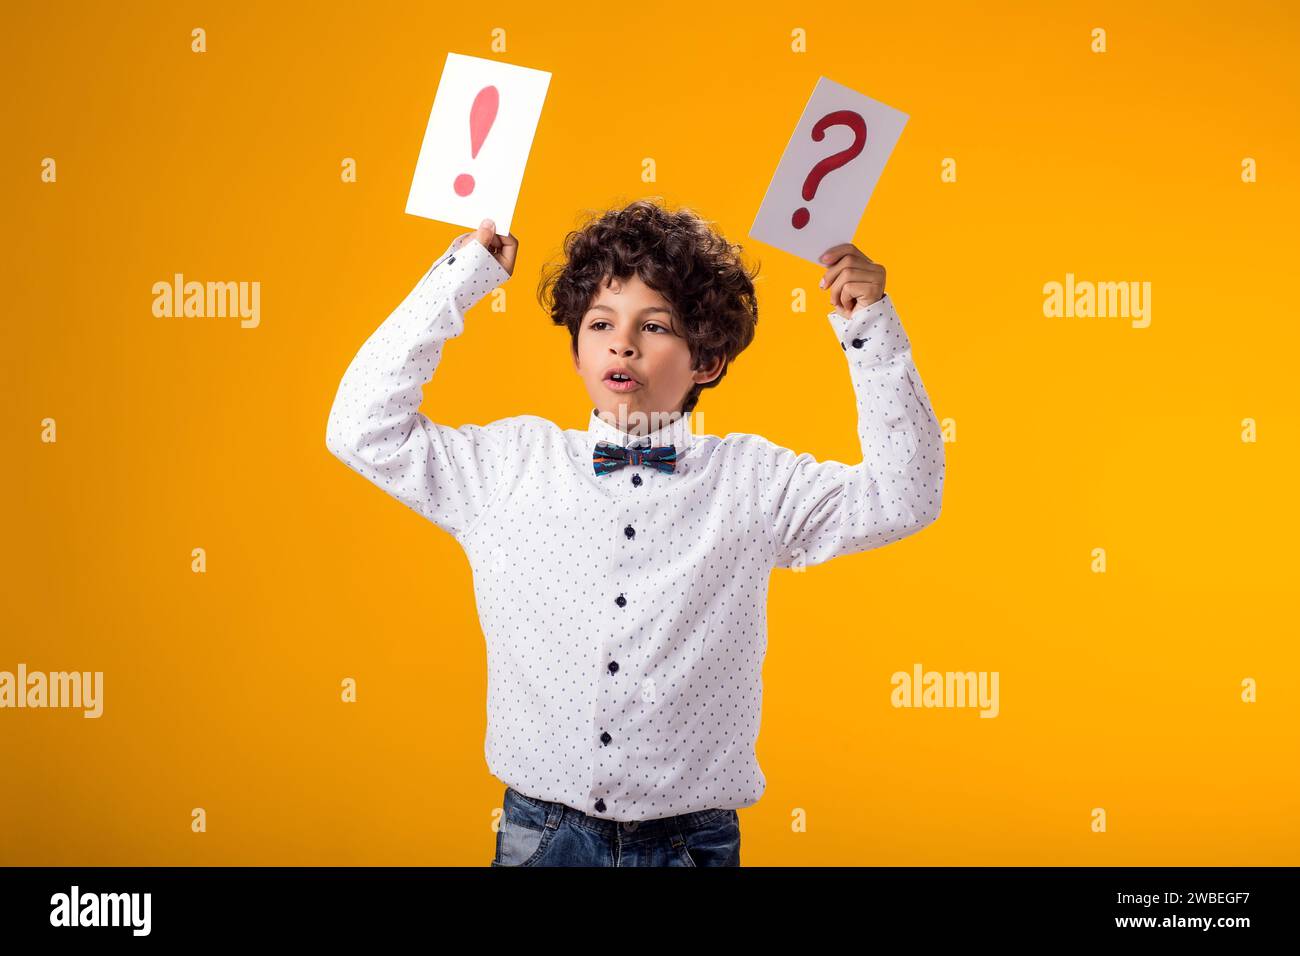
point(448, 475)
point(820, 510)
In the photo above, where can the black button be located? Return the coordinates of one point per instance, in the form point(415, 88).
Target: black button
point(600, 806)
point(630, 531)
point(605, 737)
point(613, 667)
point(620, 600)
point(858, 343)
point(451, 260)
point(844, 347)
point(636, 480)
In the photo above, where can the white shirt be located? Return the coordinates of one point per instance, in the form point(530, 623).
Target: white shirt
point(625, 614)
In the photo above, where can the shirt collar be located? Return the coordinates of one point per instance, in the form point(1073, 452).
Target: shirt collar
point(677, 433)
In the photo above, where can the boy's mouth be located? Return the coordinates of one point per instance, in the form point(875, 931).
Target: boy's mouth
point(619, 380)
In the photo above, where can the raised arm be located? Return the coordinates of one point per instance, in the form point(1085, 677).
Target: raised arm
point(820, 510)
point(448, 475)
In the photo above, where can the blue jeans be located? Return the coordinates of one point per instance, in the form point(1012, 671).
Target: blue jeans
point(536, 832)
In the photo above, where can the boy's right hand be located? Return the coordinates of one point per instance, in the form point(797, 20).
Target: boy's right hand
point(503, 248)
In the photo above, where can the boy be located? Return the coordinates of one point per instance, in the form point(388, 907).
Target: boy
point(621, 569)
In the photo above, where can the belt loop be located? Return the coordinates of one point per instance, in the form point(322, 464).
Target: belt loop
point(675, 836)
point(555, 814)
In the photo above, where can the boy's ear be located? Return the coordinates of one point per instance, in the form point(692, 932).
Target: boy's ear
point(711, 371)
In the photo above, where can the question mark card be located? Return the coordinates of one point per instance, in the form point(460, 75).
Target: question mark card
point(476, 145)
point(828, 171)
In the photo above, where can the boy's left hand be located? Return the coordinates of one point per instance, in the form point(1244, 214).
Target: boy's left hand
point(853, 279)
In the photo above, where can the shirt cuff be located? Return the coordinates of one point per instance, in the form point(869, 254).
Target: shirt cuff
point(872, 333)
point(465, 274)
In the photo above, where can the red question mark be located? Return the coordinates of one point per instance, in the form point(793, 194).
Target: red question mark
point(481, 116)
point(853, 121)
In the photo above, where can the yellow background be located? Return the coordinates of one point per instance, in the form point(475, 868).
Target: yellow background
point(1118, 690)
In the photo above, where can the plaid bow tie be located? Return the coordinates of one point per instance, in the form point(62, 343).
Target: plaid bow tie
point(609, 457)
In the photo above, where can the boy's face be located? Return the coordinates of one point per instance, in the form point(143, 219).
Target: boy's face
point(630, 326)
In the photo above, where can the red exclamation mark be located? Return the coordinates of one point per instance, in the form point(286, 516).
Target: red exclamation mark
point(481, 117)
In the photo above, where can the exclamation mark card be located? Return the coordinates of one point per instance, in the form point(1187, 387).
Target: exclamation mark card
point(476, 145)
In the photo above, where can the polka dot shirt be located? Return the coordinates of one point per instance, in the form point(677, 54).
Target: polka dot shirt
point(625, 614)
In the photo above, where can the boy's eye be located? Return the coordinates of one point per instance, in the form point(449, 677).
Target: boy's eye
point(647, 325)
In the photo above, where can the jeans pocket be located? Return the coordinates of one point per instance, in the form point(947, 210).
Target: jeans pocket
point(522, 834)
point(716, 843)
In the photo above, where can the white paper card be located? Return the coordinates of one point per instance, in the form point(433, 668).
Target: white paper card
point(476, 145)
point(821, 186)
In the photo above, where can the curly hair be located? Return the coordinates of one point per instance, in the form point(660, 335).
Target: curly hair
point(676, 253)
